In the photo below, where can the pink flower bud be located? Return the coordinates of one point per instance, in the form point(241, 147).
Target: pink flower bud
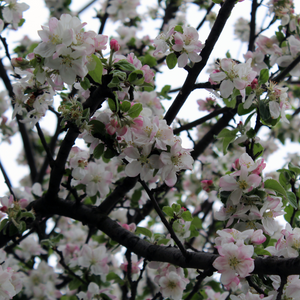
point(206, 185)
point(114, 45)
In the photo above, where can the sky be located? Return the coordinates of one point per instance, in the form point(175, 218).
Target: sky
point(37, 15)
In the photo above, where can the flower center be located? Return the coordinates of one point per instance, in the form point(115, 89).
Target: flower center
point(233, 262)
point(243, 184)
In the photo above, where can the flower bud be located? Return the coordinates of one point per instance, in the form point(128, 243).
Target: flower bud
point(114, 45)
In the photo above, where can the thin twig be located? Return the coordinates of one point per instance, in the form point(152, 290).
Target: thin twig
point(201, 120)
point(287, 70)
point(44, 143)
point(6, 180)
point(204, 18)
point(200, 279)
point(163, 219)
point(62, 262)
point(282, 284)
point(253, 285)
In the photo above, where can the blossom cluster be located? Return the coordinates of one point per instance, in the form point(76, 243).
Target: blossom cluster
point(236, 251)
point(66, 50)
point(233, 75)
point(183, 41)
point(171, 280)
point(147, 143)
point(247, 199)
point(12, 13)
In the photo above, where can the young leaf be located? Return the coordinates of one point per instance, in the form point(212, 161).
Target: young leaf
point(263, 76)
point(187, 216)
point(98, 151)
point(125, 106)
point(144, 231)
point(96, 74)
point(171, 60)
point(274, 185)
point(135, 110)
point(292, 199)
point(168, 211)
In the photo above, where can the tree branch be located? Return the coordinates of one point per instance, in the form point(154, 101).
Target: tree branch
point(210, 43)
point(216, 129)
point(200, 260)
point(287, 70)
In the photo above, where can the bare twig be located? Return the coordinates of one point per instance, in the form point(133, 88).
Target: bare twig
point(163, 219)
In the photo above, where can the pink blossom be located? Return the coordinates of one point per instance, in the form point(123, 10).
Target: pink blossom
point(13, 12)
point(97, 179)
point(244, 184)
point(95, 259)
point(172, 285)
point(234, 259)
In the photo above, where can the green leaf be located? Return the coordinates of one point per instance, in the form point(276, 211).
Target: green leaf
point(168, 211)
point(57, 238)
point(176, 207)
point(226, 133)
point(108, 154)
point(125, 106)
point(228, 55)
point(264, 111)
point(12, 230)
point(230, 102)
point(85, 83)
point(178, 28)
point(289, 212)
point(136, 196)
point(294, 168)
point(194, 231)
point(21, 22)
point(197, 222)
point(163, 241)
point(3, 223)
point(274, 185)
point(284, 179)
point(124, 65)
point(251, 133)
point(258, 150)
point(280, 36)
point(98, 127)
point(96, 74)
point(187, 216)
point(111, 104)
point(47, 243)
point(113, 276)
point(136, 77)
point(75, 284)
point(93, 199)
point(104, 296)
point(164, 92)
point(27, 214)
point(292, 199)
point(135, 110)
point(263, 76)
point(149, 60)
point(144, 231)
point(226, 142)
point(171, 60)
point(260, 251)
point(249, 118)
point(98, 151)
point(242, 111)
point(22, 227)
